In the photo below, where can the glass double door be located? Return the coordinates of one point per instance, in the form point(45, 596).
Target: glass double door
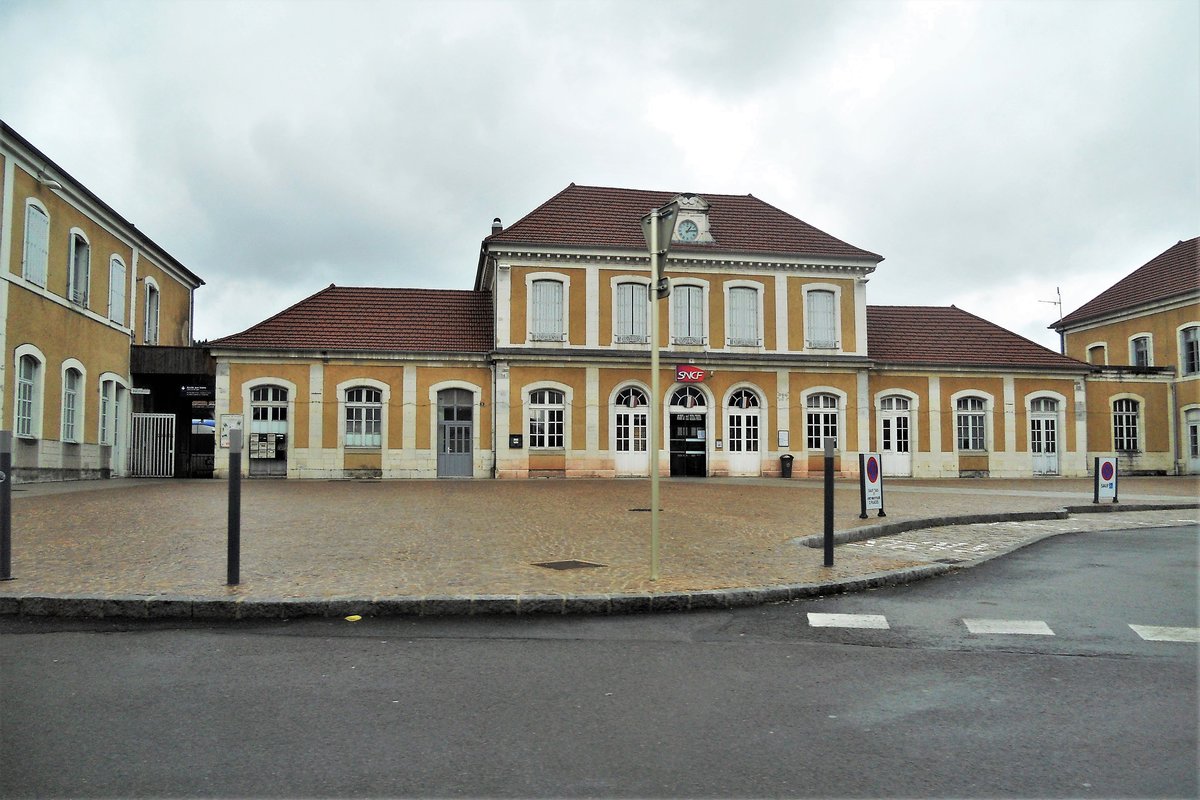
point(688, 452)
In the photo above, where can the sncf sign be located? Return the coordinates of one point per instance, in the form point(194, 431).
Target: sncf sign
point(686, 373)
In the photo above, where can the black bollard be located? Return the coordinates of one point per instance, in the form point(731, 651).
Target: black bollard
point(6, 506)
point(234, 553)
point(829, 502)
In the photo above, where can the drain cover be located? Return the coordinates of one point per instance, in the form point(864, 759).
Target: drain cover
point(570, 564)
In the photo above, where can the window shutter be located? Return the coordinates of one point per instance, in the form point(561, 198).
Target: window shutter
point(625, 309)
point(37, 244)
point(821, 320)
point(639, 301)
point(116, 291)
point(743, 307)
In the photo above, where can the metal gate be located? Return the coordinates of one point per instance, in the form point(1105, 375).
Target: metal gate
point(152, 446)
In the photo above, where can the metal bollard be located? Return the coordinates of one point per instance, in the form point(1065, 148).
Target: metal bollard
point(6, 441)
point(829, 502)
point(234, 549)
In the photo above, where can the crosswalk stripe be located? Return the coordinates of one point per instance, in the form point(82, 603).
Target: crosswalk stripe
point(848, 621)
point(1160, 633)
point(1028, 627)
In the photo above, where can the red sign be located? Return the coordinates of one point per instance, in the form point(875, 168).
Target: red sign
point(685, 373)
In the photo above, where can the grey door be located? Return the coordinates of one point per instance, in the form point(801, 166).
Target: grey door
point(456, 432)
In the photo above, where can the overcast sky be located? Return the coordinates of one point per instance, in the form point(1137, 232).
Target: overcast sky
point(990, 151)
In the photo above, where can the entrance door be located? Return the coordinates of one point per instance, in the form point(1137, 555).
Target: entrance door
point(456, 432)
point(267, 443)
point(1192, 442)
point(688, 433)
point(631, 451)
point(894, 448)
point(1043, 436)
point(742, 434)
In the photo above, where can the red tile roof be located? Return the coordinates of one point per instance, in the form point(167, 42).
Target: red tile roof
point(1172, 273)
point(388, 320)
point(949, 336)
point(593, 216)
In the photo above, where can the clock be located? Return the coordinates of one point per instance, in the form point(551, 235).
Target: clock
point(687, 231)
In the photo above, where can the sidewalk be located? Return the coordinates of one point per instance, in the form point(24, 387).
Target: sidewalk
point(137, 548)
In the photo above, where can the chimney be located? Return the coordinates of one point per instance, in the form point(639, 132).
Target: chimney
point(496, 226)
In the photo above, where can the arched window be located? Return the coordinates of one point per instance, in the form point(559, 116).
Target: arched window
point(1043, 405)
point(1189, 349)
point(743, 398)
point(150, 333)
point(28, 411)
point(546, 412)
point(894, 403)
point(79, 269)
point(631, 397)
point(364, 417)
point(821, 420)
point(72, 379)
point(969, 414)
point(742, 422)
point(688, 397)
point(268, 409)
point(1125, 425)
point(116, 290)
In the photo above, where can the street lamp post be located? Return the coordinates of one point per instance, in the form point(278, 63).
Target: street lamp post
point(657, 227)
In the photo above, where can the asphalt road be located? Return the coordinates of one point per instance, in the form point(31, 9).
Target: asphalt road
point(749, 703)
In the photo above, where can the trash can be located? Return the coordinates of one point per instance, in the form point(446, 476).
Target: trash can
point(785, 464)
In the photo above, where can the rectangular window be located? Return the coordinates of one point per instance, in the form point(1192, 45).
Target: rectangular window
point(743, 317)
point(37, 244)
point(547, 305)
point(116, 290)
point(107, 389)
point(687, 315)
point(1096, 355)
point(821, 421)
point(1125, 426)
point(546, 409)
point(820, 320)
point(632, 306)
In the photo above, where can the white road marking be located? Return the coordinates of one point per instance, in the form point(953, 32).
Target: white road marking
point(1029, 627)
point(848, 621)
point(1159, 633)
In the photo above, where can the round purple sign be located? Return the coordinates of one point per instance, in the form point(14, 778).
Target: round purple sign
point(872, 469)
point(1106, 470)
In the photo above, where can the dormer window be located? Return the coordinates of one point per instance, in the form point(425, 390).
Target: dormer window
point(692, 225)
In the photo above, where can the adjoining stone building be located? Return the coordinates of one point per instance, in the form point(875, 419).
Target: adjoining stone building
point(81, 288)
point(1141, 337)
point(541, 369)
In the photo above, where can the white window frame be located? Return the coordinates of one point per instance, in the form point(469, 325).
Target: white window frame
point(822, 417)
point(675, 310)
point(639, 438)
point(965, 416)
point(545, 337)
point(551, 434)
point(29, 425)
point(35, 261)
point(626, 327)
point(1146, 337)
point(810, 343)
point(153, 304)
point(1061, 403)
point(914, 417)
point(109, 423)
point(1181, 337)
point(362, 416)
point(1120, 419)
point(75, 274)
point(72, 417)
point(1087, 353)
point(116, 289)
point(743, 342)
point(757, 430)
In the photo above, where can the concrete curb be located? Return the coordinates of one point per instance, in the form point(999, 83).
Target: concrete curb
point(892, 528)
point(199, 608)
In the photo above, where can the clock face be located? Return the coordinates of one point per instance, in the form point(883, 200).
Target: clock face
point(688, 231)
